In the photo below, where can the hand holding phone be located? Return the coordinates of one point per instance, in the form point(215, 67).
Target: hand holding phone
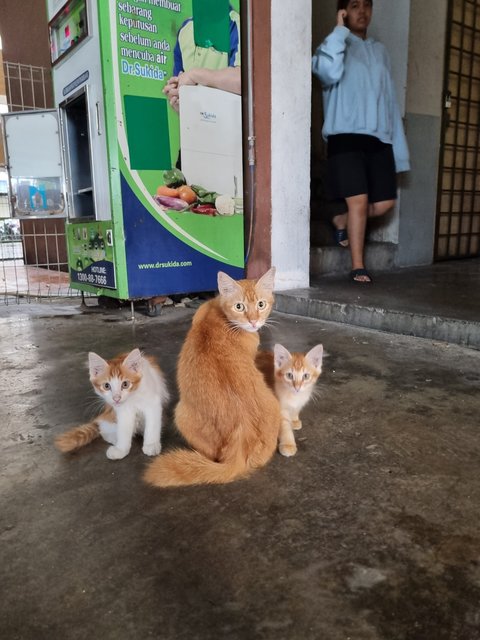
point(342, 19)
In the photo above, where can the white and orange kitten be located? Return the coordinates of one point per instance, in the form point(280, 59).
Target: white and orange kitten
point(133, 389)
point(293, 377)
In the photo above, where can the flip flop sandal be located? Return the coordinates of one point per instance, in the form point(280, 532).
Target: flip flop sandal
point(360, 272)
point(341, 235)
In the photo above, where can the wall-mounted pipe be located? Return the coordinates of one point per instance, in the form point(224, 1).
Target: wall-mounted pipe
point(250, 129)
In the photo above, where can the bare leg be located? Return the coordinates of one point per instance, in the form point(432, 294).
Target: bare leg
point(340, 220)
point(357, 223)
point(359, 210)
point(377, 209)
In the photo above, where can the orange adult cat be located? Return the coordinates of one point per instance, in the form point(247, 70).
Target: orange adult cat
point(132, 387)
point(292, 376)
point(226, 411)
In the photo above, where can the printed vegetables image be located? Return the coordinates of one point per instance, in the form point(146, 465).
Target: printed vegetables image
point(187, 193)
point(204, 209)
point(173, 178)
point(225, 205)
point(176, 195)
point(163, 190)
point(169, 202)
point(184, 193)
point(204, 196)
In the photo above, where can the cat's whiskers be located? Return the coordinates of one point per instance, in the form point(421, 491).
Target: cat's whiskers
point(94, 405)
point(316, 396)
point(266, 325)
point(232, 327)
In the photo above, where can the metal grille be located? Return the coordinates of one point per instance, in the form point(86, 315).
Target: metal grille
point(33, 260)
point(27, 87)
point(458, 202)
point(33, 263)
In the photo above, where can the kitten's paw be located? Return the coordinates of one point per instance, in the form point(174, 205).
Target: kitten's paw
point(296, 424)
point(287, 450)
point(152, 449)
point(114, 453)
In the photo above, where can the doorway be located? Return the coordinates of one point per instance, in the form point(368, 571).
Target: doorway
point(79, 180)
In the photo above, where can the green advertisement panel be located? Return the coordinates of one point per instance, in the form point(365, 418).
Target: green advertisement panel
point(91, 254)
point(172, 70)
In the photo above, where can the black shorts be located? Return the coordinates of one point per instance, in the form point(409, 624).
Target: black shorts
point(358, 164)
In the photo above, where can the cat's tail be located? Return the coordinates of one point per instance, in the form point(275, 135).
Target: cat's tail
point(77, 437)
point(183, 467)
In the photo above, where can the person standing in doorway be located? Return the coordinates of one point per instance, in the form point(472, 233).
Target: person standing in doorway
point(366, 144)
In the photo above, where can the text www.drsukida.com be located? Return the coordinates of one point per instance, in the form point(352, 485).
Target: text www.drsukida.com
point(165, 265)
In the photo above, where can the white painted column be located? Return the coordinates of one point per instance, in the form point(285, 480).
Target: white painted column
point(291, 120)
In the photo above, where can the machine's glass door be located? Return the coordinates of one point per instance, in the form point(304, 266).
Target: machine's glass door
point(35, 172)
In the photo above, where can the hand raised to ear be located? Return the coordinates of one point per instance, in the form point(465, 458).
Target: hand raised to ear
point(341, 17)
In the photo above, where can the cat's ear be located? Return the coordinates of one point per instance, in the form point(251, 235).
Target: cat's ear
point(280, 355)
point(315, 356)
point(267, 281)
point(96, 365)
point(133, 361)
point(227, 286)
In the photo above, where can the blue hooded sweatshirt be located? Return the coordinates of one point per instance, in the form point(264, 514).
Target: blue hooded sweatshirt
point(358, 91)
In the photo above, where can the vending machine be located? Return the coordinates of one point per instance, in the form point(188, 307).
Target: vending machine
point(152, 191)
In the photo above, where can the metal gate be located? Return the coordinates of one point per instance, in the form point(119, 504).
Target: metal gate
point(458, 202)
point(33, 260)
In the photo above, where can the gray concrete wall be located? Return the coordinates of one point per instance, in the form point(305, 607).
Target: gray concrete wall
point(426, 56)
point(390, 25)
point(419, 193)
point(423, 117)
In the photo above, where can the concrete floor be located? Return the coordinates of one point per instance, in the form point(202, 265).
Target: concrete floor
point(369, 533)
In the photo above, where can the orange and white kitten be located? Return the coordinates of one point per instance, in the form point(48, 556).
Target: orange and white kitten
point(292, 376)
point(133, 389)
point(226, 411)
